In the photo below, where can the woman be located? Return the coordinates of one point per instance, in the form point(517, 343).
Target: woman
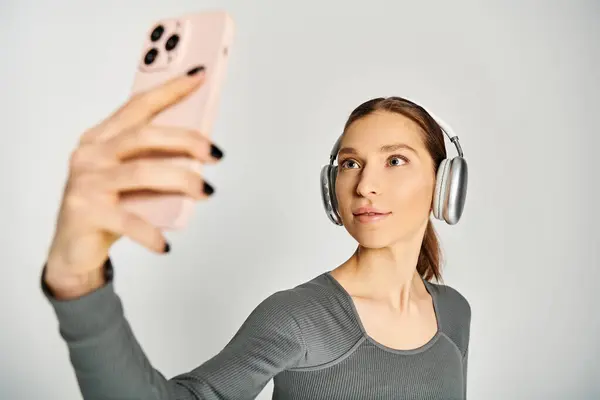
point(374, 327)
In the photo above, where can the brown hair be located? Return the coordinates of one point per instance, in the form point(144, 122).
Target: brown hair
point(430, 257)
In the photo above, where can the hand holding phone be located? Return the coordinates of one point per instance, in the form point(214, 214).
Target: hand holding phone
point(137, 171)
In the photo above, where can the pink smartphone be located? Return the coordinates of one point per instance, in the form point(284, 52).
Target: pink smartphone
point(173, 46)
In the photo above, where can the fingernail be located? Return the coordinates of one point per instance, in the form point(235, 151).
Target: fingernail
point(208, 189)
point(216, 152)
point(167, 247)
point(195, 70)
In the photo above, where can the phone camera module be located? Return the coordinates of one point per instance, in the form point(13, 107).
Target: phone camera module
point(157, 33)
point(172, 42)
point(150, 56)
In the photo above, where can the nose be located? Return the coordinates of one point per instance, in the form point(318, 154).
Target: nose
point(369, 183)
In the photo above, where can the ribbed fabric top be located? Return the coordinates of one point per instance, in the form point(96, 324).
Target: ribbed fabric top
point(309, 339)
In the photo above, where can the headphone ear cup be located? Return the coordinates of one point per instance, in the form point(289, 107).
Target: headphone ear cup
point(328, 176)
point(451, 190)
point(455, 181)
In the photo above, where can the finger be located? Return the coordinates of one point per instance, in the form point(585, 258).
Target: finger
point(141, 107)
point(164, 140)
point(86, 157)
point(117, 220)
point(158, 175)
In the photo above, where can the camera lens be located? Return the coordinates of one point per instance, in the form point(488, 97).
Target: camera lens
point(157, 33)
point(150, 56)
point(172, 42)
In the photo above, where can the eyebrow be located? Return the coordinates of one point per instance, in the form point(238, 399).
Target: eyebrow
point(384, 149)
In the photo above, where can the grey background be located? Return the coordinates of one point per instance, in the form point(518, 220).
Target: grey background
point(518, 81)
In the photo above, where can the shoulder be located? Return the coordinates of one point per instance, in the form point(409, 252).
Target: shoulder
point(293, 300)
point(290, 305)
point(321, 317)
point(278, 310)
point(452, 300)
point(272, 327)
point(307, 297)
point(454, 312)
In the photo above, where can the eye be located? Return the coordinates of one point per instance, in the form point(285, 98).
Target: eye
point(348, 163)
point(395, 161)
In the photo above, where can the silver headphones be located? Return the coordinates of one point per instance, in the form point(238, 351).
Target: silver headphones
point(450, 188)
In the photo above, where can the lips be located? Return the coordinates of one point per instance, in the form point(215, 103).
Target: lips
point(369, 214)
point(369, 211)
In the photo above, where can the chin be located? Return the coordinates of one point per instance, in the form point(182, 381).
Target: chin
point(373, 239)
point(378, 236)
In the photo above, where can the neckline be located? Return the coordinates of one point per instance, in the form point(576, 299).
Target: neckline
point(368, 337)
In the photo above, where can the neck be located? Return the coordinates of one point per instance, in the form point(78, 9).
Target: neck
point(388, 274)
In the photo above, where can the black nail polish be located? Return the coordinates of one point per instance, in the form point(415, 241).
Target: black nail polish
point(167, 247)
point(208, 189)
point(216, 152)
point(195, 70)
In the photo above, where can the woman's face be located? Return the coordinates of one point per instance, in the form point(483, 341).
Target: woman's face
point(384, 168)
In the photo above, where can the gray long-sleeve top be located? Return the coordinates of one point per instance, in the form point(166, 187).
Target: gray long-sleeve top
point(308, 339)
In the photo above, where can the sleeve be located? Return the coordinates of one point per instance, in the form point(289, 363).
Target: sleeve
point(465, 359)
point(465, 370)
point(110, 364)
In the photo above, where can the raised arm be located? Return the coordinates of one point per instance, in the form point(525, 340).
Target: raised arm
point(109, 363)
point(109, 162)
